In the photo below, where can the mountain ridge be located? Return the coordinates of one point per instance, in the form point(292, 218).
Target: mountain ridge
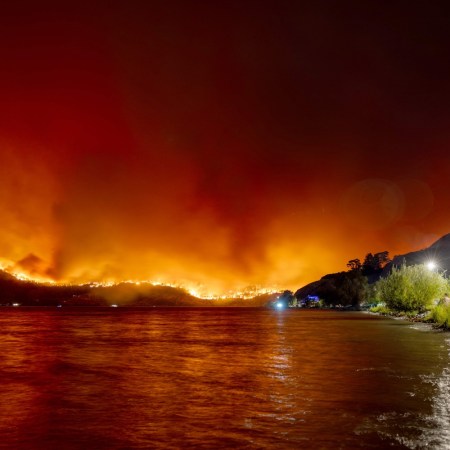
point(438, 253)
point(14, 291)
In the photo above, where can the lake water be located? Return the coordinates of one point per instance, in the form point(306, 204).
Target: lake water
point(116, 378)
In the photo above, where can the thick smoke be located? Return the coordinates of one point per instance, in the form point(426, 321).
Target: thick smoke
point(216, 146)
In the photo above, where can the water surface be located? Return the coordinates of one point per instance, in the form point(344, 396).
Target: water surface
point(115, 378)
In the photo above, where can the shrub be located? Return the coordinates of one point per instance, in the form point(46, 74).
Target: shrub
point(409, 288)
point(380, 309)
point(373, 295)
point(441, 315)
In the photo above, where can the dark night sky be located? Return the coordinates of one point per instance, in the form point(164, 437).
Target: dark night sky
point(222, 143)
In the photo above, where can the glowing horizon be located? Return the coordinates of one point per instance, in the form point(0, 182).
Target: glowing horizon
point(198, 291)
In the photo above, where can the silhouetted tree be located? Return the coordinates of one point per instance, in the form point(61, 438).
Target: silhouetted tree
point(327, 291)
point(369, 265)
point(374, 263)
point(353, 288)
point(354, 264)
point(343, 288)
point(382, 258)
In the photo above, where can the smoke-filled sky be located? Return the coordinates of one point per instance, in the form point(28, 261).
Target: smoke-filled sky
point(222, 143)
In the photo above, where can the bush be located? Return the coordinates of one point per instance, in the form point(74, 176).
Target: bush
point(373, 296)
point(381, 309)
point(441, 315)
point(410, 288)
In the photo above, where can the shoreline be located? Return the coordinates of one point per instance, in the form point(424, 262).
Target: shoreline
point(418, 319)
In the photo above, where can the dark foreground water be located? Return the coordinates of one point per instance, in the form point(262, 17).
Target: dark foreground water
point(219, 378)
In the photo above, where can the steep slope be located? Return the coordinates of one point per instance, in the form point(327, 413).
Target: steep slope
point(439, 253)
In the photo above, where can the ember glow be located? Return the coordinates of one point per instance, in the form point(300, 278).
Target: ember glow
point(219, 146)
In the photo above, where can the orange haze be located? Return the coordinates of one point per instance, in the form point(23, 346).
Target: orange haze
point(216, 146)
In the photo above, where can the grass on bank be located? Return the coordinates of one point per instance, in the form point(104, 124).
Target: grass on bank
point(385, 311)
point(439, 315)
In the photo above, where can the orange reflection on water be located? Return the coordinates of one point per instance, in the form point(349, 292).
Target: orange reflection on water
point(158, 378)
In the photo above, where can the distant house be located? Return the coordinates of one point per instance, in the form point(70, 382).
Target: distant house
point(309, 300)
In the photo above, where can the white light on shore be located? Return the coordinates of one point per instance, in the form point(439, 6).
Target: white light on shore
point(280, 305)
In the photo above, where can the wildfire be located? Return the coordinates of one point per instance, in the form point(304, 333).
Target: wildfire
point(196, 290)
point(6, 266)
